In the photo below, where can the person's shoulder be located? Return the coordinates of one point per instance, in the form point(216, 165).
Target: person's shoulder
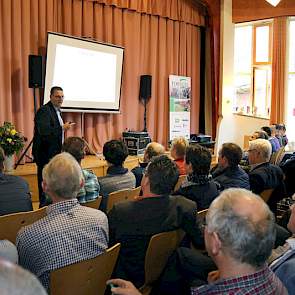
point(88, 173)
point(88, 212)
point(128, 205)
point(20, 180)
point(30, 231)
point(181, 201)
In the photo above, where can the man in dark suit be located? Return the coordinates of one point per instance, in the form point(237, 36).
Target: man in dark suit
point(264, 175)
point(14, 192)
point(48, 134)
point(228, 173)
point(133, 223)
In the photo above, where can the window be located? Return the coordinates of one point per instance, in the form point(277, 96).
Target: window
point(252, 69)
point(290, 110)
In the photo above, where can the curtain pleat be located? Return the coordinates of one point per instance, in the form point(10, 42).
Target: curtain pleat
point(277, 113)
point(179, 10)
point(154, 44)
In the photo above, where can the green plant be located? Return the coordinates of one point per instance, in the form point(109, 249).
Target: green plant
point(10, 140)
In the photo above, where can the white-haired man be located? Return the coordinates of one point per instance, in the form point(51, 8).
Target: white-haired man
point(239, 240)
point(70, 232)
point(264, 175)
point(153, 149)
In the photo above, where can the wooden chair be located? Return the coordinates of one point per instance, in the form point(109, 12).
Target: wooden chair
point(202, 214)
point(10, 224)
point(277, 157)
point(122, 196)
point(94, 203)
point(181, 179)
point(265, 195)
point(161, 247)
point(85, 277)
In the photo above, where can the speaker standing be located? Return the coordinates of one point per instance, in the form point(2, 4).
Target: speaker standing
point(48, 134)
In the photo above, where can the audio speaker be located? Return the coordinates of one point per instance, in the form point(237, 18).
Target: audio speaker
point(35, 71)
point(145, 87)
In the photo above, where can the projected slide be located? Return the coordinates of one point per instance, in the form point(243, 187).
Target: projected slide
point(89, 72)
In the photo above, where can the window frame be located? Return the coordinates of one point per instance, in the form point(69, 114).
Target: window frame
point(257, 65)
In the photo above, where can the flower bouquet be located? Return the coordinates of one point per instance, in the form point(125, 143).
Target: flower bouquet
point(11, 141)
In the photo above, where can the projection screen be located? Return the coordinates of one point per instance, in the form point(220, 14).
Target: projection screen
point(89, 72)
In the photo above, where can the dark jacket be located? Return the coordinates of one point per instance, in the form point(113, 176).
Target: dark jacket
point(134, 223)
point(231, 177)
point(202, 193)
point(138, 172)
point(14, 195)
point(289, 170)
point(47, 139)
point(267, 176)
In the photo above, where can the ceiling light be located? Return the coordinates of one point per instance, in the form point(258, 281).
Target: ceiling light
point(273, 2)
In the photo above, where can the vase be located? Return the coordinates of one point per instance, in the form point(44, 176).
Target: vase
point(9, 163)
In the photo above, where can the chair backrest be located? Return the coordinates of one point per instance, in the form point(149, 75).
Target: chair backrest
point(181, 179)
point(161, 247)
point(277, 157)
point(94, 203)
point(265, 195)
point(202, 214)
point(10, 224)
point(85, 277)
point(122, 196)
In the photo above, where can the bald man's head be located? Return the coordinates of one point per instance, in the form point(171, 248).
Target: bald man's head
point(244, 225)
point(153, 149)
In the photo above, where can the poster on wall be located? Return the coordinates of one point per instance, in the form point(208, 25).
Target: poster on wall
point(179, 106)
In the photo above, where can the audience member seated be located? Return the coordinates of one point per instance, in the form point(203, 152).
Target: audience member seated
point(14, 280)
point(90, 191)
point(70, 232)
point(278, 133)
point(118, 177)
point(239, 240)
point(152, 149)
point(271, 132)
point(14, 192)
point(199, 187)
point(8, 251)
point(289, 171)
point(259, 134)
point(177, 150)
point(282, 260)
point(264, 175)
point(133, 223)
point(282, 131)
point(227, 172)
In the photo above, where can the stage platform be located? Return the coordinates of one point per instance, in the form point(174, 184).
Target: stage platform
point(96, 164)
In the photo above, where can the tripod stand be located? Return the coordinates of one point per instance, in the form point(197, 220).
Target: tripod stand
point(31, 142)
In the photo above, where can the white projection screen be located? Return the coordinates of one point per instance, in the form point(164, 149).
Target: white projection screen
point(89, 72)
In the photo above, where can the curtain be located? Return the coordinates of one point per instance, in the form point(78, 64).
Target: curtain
point(277, 113)
point(154, 44)
point(180, 10)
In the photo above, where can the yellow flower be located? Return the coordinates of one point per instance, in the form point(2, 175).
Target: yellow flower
point(9, 140)
point(13, 132)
